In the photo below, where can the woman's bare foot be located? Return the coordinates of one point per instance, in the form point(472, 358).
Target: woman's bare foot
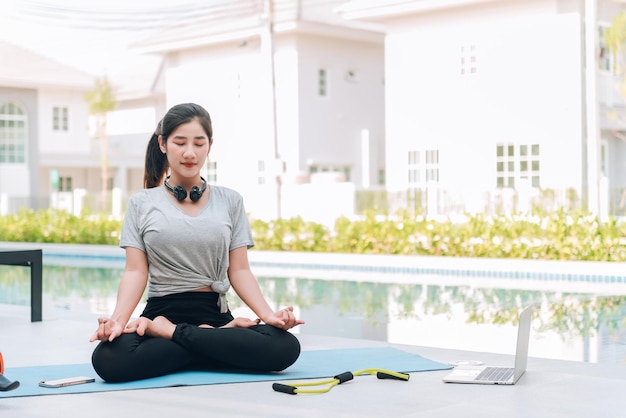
point(161, 327)
point(239, 322)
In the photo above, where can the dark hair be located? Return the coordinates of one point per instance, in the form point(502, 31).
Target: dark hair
point(156, 161)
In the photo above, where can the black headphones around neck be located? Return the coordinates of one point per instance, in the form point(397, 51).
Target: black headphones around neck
point(180, 193)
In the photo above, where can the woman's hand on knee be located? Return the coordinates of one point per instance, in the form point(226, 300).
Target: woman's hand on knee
point(283, 319)
point(139, 326)
point(108, 330)
point(157, 327)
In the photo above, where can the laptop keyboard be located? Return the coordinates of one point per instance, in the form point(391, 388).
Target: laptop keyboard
point(496, 374)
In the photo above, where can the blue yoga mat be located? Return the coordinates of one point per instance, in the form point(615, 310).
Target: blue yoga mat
point(310, 365)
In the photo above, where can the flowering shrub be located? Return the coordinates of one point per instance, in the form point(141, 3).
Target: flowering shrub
point(559, 235)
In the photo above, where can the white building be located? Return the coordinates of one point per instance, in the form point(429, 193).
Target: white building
point(44, 138)
point(451, 106)
point(325, 114)
point(301, 148)
point(489, 99)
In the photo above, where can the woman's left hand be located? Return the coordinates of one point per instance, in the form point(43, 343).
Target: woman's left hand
point(139, 325)
point(283, 319)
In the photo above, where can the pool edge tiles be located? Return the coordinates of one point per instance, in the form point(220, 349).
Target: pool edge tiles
point(544, 270)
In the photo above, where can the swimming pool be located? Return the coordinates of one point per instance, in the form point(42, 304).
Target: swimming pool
point(581, 313)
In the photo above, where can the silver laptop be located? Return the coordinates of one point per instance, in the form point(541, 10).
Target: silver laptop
point(490, 375)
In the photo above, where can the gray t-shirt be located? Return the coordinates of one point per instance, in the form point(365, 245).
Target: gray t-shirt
point(186, 252)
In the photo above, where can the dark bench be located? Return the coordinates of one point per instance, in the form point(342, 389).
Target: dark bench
point(32, 259)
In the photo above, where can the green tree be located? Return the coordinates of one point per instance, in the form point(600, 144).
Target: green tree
point(102, 100)
point(615, 39)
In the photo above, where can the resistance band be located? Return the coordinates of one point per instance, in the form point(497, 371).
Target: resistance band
point(294, 389)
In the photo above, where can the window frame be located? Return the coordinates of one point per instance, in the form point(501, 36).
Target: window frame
point(322, 82)
point(517, 162)
point(468, 59)
point(13, 134)
point(211, 172)
point(60, 119)
point(606, 60)
point(423, 167)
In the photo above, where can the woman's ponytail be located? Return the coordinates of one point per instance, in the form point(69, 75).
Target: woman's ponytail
point(156, 162)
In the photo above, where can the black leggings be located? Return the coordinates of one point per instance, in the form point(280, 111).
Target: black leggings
point(260, 348)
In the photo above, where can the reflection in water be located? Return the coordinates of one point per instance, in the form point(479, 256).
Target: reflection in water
point(570, 326)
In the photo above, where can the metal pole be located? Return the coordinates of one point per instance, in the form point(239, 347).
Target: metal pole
point(592, 131)
point(269, 8)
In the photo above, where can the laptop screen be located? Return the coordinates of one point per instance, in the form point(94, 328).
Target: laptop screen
point(523, 337)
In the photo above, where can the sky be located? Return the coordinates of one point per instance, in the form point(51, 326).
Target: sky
point(93, 35)
point(97, 36)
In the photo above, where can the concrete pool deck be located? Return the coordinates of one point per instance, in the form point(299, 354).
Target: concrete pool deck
point(550, 388)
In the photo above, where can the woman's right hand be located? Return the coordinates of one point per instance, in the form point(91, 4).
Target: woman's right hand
point(283, 319)
point(108, 330)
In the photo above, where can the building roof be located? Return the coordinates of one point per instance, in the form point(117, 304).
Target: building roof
point(243, 19)
point(27, 69)
point(379, 10)
point(139, 78)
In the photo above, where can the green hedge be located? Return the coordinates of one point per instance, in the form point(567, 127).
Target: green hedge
point(555, 236)
point(55, 226)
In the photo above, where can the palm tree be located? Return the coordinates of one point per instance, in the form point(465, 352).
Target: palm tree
point(101, 100)
point(615, 39)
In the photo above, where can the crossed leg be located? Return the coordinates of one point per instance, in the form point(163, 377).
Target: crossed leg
point(167, 348)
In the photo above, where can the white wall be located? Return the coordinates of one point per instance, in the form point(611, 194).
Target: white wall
point(331, 126)
point(233, 82)
point(235, 91)
point(74, 141)
point(15, 180)
point(288, 115)
point(527, 90)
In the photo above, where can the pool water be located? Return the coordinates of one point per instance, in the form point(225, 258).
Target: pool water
point(414, 310)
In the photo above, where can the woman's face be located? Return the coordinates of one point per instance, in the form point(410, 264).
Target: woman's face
point(187, 149)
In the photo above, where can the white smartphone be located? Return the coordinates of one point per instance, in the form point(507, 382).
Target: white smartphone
point(68, 381)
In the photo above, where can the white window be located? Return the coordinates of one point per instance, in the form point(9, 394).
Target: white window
point(262, 173)
point(211, 176)
point(516, 162)
point(322, 82)
point(606, 60)
point(60, 119)
point(431, 166)
point(469, 60)
point(604, 158)
point(505, 165)
point(65, 184)
point(414, 168)
point(382, 176)
point(238, 85)
point(346, 170)
point(423, 167)
point(13, 134)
